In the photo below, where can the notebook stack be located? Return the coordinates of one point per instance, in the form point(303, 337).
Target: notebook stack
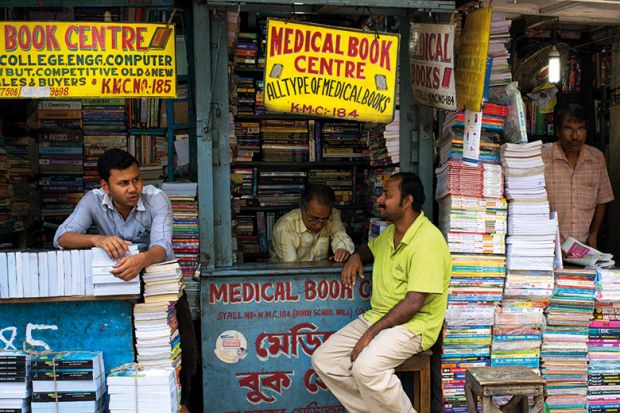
point(157, 335)
point(15, 386)
point(604, 344)
point(284, 140)
point(565, 340)
point(104, 282)
point(68, 382)
point(531, 232)
point(151, 390)
point(186, 237)
point(472, 217)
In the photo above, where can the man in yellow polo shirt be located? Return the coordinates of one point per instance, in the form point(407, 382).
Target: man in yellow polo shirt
point(410, 277)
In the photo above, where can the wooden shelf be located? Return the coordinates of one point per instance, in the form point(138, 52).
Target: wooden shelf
point(301, 165)
point(72, 298)
point(249, 70)
point(251, 208)
point(148, 131)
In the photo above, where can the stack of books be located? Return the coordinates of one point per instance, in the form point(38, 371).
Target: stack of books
point(248, 141)
point(499, 44)
point(71, 381)
point(531, 230)
point(472, 217)
point(383, 143)
point(340, 141)
point(517, 337)
point(246, 51)
point(5, 193)
point(340, 180)
point(104, 126)
point(163, 282)
point(104, 282)
point(61, 160)
point(565, 348)
point(21, 168)
point(280, 188)
point(15, 385)
point(243, 96)
point(151, 390)
point(284, 140)
point(45, 273)
point(146, 113)
point(186, 237)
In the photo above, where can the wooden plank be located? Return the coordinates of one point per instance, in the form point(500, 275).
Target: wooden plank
point(490, 376)
point(75, 298)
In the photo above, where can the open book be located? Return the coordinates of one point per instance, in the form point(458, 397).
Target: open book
point(581, 254)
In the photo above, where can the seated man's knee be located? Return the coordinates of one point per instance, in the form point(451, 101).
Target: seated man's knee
point(363, 369)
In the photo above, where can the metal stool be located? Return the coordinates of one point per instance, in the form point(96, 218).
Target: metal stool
point(519, 382)
point(420, 365)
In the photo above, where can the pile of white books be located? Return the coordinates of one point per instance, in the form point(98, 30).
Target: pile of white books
point(45, 273)
point(163, 282)
point(15, 388)
point(68, 382)
point(530, 244)
point(152, 390)
point(106, 283)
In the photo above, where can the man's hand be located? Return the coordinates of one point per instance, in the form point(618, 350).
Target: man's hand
point(340, 255)
point(127, 268)
point(592, 240)
point(351, 270)
point(115, 247)
point(362, 343)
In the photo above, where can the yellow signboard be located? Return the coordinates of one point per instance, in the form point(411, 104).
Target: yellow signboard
point(471, 62)
point(91, 59)
point(330, 72)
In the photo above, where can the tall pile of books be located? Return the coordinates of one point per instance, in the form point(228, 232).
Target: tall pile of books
point(158, 343)
point(284, 140)
point(104, 128)
point(186, 237)
point(340, 141)
point(15, 385)
point(61, 158)
point(531, 232)
point(20, 168)
point(383, 143)
point(500, 37)
point(565, 347)
point(104, 282)
point(472, 216)
point(604, 344)
point(248, 141)
point(151, 390)
point(71, 381)
point(243, 98)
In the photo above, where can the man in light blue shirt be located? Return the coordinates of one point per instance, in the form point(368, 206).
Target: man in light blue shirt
point(124, 211)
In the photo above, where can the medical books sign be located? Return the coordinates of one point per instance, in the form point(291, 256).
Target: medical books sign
point(330, 72)
point(431, 47)
point(91, 59)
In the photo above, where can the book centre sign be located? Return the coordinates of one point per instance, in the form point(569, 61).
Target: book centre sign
point(330, 72)
point(61, 60)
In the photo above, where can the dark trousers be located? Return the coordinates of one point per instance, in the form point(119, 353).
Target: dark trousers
point(189, 348)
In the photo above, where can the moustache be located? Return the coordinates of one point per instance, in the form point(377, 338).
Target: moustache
point(382, 206)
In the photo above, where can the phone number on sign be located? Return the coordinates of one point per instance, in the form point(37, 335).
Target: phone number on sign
point(9, 91)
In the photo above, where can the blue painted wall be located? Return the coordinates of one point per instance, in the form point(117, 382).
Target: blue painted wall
point(90, 325)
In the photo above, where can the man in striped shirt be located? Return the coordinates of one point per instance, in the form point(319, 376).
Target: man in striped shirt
point(306, 233)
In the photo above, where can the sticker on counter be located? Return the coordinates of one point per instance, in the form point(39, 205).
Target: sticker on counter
point(231, 347)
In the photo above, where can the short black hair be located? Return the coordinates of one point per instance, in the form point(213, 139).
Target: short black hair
point(320, 193)
point(574, 111)
point(114, 159)
point(411, 184)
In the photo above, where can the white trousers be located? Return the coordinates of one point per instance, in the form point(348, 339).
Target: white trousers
point(369, 384)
